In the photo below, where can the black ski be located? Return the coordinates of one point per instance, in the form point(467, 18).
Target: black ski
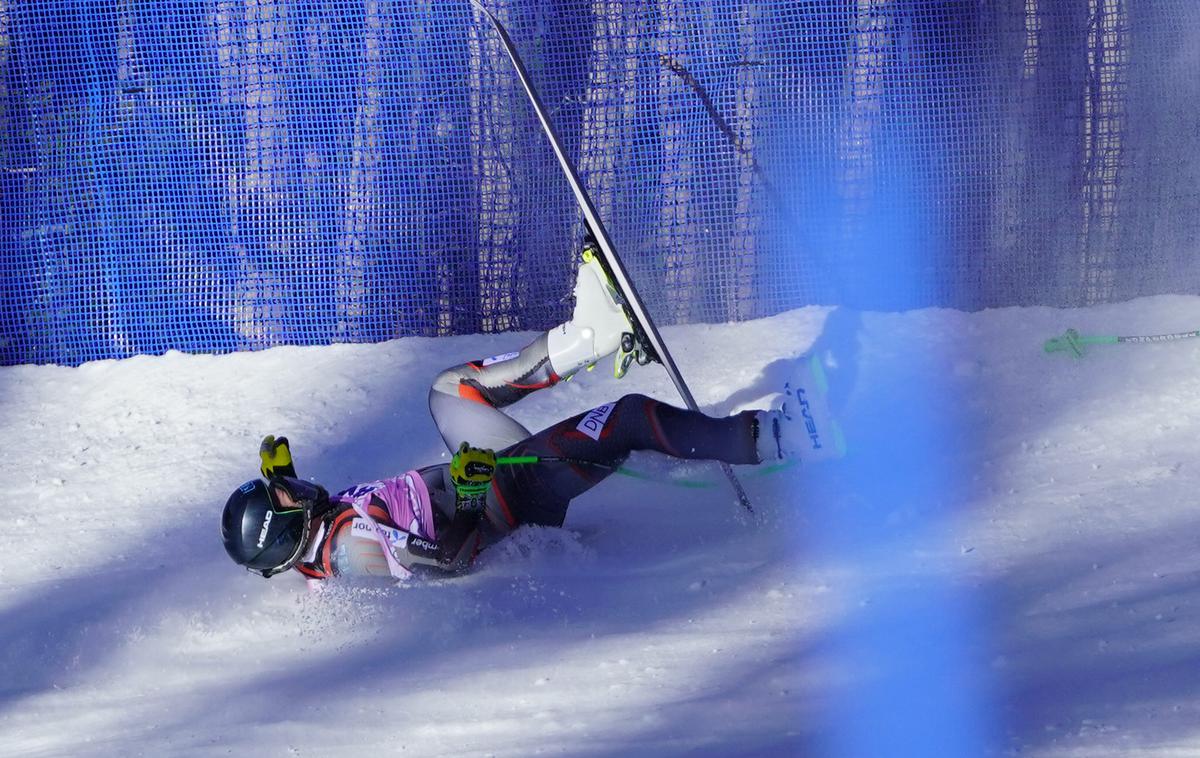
point(612, 261)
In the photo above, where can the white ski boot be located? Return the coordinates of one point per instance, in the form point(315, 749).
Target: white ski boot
point(597, 327)
point(803, 427)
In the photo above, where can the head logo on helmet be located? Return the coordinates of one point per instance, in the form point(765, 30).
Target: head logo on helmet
point(262, 535)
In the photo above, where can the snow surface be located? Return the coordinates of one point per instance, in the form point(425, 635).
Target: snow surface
point(1007, 562)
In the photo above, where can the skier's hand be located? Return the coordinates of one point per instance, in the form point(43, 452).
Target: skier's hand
point(471, 470)
point(276, 457)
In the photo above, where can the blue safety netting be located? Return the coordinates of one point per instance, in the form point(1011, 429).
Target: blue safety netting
point(210, 175)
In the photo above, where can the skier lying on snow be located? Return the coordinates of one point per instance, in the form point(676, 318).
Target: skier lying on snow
point(439, 517)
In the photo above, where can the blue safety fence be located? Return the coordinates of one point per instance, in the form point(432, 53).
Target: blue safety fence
point(211, 176)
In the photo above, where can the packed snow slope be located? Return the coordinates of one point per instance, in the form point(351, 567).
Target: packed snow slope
point(1007, 562)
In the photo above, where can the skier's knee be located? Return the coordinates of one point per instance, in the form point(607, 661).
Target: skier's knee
point(447, 382)
point(634, 401)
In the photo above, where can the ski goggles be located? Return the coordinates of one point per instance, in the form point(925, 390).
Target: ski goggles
point(289, 494)
point(298, 499)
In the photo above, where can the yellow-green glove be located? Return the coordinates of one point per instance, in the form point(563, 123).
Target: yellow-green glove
point(471, 470)
point(276, 458)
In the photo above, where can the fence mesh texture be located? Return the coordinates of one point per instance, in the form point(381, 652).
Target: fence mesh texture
point(221, 175)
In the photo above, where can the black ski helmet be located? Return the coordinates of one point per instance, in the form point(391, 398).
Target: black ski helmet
point(263, 534)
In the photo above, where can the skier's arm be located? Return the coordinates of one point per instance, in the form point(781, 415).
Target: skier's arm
point(471, 471)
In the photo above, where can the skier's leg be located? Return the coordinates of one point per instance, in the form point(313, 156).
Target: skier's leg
point(601, 439)
point(465, 400)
